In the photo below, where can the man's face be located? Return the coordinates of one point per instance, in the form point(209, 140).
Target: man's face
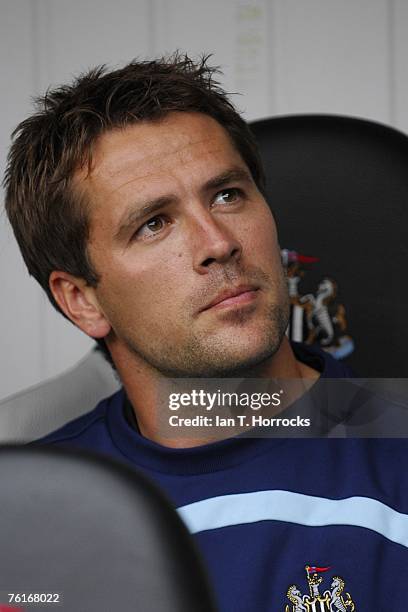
point(186, 248)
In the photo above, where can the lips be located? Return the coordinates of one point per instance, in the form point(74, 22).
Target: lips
point(233, 296)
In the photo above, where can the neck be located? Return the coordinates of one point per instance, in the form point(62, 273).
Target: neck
point(143, 384)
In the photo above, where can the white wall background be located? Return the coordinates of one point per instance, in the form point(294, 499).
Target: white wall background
point(284, 56)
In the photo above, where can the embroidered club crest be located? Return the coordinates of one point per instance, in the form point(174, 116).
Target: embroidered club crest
point(315, 318)
point(331, 600)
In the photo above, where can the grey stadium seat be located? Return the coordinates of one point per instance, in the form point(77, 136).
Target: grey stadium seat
point(40, 409)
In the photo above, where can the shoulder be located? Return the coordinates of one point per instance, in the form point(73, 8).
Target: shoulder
point(320, 360)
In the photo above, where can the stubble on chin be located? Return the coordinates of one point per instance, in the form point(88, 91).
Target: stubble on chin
point(202, 349)
point(206, 353)
point(212, 357)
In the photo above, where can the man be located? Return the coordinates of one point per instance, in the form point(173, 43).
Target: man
point(137, 199)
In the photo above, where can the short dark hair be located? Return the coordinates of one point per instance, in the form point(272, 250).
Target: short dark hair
point(49, 218)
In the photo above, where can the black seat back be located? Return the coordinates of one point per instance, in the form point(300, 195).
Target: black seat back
point(96, 533)
point(338, 187)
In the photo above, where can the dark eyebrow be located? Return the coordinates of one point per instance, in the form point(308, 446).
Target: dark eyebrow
point(234, 174)
point(137, 213)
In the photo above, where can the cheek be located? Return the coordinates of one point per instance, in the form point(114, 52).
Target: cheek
point(142, 290)
point(260, 237)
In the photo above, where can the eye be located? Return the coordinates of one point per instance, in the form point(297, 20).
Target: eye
point(151, 227)
point(228, 196)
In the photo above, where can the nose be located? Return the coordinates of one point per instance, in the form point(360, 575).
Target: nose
point(213, 243)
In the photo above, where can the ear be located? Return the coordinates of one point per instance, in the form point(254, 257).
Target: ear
point(79, 303)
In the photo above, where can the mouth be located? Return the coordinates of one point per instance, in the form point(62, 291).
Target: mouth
point(234, 297)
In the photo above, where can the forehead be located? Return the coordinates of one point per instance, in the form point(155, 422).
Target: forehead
point(170, 147)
